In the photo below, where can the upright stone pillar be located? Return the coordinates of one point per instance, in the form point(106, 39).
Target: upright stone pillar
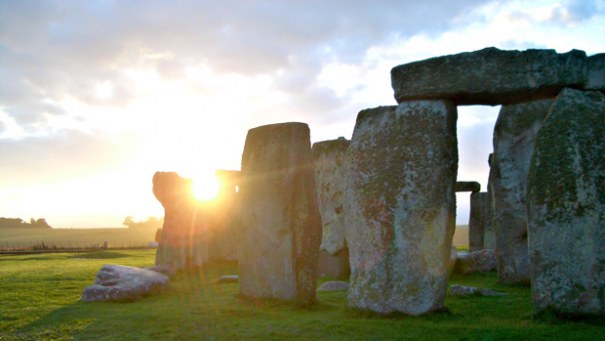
point(281, 227)
point(566, 206)
point(479, 214)
point(514, 138)
point(400, 204)
point(184, 239)
point(224, 217)
point(329, 159)
point(489, 236)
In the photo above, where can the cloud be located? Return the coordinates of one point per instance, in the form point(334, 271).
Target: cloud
point(55, 49)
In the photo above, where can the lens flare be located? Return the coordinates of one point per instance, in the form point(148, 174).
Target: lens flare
point(206, 187)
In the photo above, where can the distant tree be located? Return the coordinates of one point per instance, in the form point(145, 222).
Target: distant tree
point(129, 221)
point(18, 222)
point(150, 223)
point(41, 222)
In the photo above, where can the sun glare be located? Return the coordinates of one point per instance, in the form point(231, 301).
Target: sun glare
point(206, 187)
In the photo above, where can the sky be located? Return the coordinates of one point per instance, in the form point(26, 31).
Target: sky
point(95, 96)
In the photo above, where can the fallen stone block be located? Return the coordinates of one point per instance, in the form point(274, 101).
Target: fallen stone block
point(124, 283)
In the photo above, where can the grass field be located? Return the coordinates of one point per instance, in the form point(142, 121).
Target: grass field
point(40, 300)
point(15, 238)
point(11, 238)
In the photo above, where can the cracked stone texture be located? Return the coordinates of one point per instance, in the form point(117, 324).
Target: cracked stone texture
point(514, 139)
point(400, 203)
point(279, 239)
point(566, 206)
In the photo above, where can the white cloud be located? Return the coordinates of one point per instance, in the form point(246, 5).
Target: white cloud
point(85, 86)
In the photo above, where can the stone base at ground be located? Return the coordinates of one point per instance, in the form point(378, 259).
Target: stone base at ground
point(461, 290)
point(333, 286)
point(124, 283)
point(475, 261)
point(334, 266)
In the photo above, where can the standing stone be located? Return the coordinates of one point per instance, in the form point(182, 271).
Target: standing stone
point(489, 236)
point(400, 204)
point(479, 214)
point(329, 159)
point(514, 138)
point(491, 76)
point(184, 239)
point(596, 72)
point(566, 206)
point(223, 216)
point(281, 227)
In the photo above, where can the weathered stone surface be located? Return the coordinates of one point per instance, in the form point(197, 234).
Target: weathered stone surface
point(452, 261)
point(184, 239)
point(329, 158)
point(489, 235)
point(566, 206)
point(461, 290)
point(223, 217)
point(467, 186)
point(278, 243)
point(334, 266)
point(514, 139)
point(490, 76)
point(400, 204)
point(333, 286)
point(479, 214)
point(596, 72)
point(475, 261)
point(124, 283)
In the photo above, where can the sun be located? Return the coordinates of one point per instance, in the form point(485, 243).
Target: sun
point(206, 187)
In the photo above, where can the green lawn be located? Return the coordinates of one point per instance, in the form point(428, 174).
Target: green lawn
point(39, 300)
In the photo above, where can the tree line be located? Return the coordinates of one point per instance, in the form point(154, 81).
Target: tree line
point(18, 222)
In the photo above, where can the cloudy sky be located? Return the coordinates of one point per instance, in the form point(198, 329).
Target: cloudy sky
point(95, 96)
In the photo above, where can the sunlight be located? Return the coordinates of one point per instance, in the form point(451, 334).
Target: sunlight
point(206, 187)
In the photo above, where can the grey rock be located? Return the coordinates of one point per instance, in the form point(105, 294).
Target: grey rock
point(480, 214)
point(334, 266)
point(489, 235)
point(279, 239)
point(566, 206)
point(514, 139)
point(467, 186)
point(329, 158)
point(333, 286)
point(124, 283)
point(226, 279)
point(490, 76)
point(400, 204)
point(475, 261)
point(596, 72)
point(463, 291)
point(452, 261)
